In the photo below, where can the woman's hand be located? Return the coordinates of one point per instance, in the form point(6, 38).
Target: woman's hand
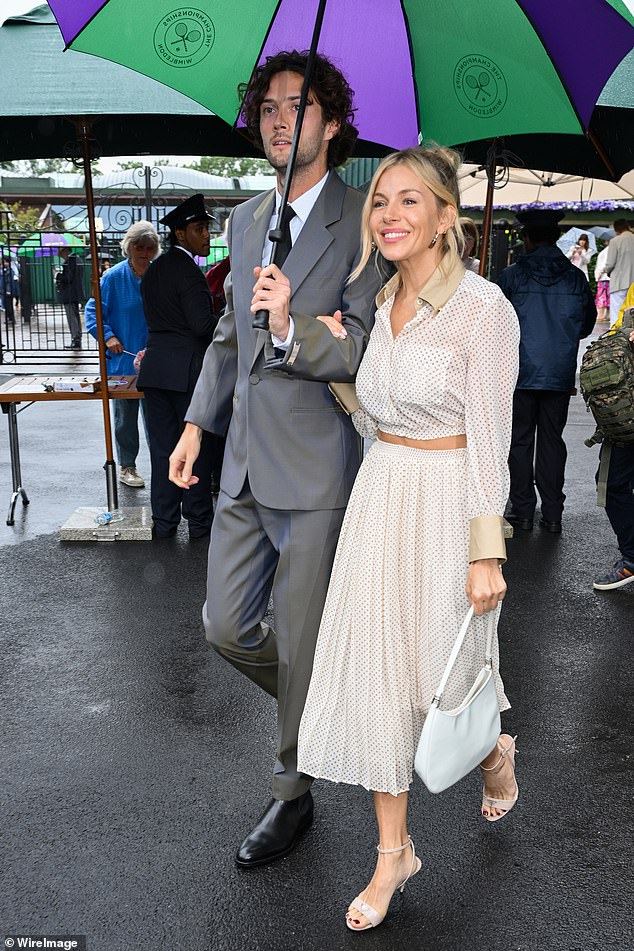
point(137, 360)
point(485, 585)
point(272, 292)
point(334, 324)
point(114, 345)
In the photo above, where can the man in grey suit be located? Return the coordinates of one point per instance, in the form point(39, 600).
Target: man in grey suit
point(292, 453)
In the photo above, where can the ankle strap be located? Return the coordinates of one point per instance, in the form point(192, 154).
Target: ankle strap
point(505, 751)
point(399, 848)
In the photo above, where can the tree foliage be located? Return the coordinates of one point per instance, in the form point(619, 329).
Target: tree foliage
point(230, 167)
point(38, 168)
point(21, 218)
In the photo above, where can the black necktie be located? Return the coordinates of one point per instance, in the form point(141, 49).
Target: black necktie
point(282, 250)
point(283, 247)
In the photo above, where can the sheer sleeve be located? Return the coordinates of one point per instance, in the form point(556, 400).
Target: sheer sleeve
point(492, 370)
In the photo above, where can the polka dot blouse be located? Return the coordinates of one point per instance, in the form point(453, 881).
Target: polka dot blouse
point(448, 372)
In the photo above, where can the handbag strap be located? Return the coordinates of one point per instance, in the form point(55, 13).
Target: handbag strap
point(456, 650)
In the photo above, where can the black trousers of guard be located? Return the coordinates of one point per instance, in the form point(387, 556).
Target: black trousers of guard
point(165, 414)
point(538, 453)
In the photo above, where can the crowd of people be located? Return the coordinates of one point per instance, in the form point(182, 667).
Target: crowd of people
point(462, 389)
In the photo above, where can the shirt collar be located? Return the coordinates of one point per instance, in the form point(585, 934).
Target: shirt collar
point(438, 289)
point(303, 205)
point(180, 248)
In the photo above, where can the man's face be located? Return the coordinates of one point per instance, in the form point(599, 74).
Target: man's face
point(278, 113)
point(195, 238)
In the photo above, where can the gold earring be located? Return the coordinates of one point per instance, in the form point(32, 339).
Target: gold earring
point(373, 245)
point(434, 240)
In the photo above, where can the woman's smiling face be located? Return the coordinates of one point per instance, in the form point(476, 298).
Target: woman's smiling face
point(405, 216)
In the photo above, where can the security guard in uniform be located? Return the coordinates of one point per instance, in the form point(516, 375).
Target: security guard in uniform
point(180, 318)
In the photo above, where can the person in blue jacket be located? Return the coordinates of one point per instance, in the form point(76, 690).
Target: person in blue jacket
point(125, 329)
point(556, 310)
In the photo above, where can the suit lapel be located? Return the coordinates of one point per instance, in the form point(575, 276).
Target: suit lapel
point(312, 242)
point(315, 237)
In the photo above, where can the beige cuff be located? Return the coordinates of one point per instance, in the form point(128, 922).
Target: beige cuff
point(486, 538)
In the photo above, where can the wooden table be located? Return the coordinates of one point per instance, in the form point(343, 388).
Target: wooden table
point(31, 388)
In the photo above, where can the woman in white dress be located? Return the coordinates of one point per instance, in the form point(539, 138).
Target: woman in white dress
point(423, 533)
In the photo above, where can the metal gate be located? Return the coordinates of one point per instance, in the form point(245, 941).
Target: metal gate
point(33, 325)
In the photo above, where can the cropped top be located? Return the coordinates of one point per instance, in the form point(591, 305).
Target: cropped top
point(451, 370)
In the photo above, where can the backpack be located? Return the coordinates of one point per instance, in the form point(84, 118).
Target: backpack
point(606, 378)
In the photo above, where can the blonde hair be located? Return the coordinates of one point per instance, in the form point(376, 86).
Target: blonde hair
point(470, 230)
point(437, 168)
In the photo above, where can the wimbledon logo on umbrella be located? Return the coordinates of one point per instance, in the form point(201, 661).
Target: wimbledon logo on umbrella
point(184, 37)
point(480, 86)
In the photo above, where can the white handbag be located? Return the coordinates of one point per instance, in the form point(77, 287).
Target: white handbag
point(453, 742)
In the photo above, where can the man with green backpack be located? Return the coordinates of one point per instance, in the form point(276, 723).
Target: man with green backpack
point(607, 384)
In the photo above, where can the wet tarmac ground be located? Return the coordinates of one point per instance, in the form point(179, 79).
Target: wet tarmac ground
point(135, 760)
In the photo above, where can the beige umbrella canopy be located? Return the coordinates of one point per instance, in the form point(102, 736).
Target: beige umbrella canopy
point(525, 186)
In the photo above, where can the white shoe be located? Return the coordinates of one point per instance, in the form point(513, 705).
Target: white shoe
point(129, 476)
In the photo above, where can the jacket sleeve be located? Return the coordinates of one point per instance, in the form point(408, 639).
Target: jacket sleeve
point(90, 311)
point(197, 305)
point(589, 309)
point(66, 275)
point(610, 264)
point(211, 405)
point(505, 281)
point(315, 354)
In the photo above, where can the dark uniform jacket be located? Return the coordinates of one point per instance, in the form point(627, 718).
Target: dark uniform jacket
point(69, 281)
point(556, 310)
point(179, 314)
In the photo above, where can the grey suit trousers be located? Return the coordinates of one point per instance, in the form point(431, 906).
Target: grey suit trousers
point(255, 550)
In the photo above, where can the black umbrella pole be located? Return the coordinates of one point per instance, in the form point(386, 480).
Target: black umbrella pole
point(83, 132)
point(486, 226)
point(261, 319)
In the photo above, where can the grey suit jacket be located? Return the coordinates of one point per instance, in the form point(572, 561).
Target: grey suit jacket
point(284, 428)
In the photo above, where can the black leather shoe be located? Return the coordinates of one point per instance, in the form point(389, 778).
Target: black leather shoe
point(554, 527)
point(524, 524)
point(277, 832)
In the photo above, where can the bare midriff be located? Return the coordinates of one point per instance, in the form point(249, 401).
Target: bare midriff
point(443, 442)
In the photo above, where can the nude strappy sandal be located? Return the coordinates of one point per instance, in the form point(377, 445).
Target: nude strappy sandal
point(371, 913)
point(505, 804)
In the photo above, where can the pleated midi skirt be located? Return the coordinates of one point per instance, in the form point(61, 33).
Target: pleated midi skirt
point(395, 604)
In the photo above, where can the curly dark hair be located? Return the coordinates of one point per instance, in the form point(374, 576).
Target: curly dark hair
point(329, 85)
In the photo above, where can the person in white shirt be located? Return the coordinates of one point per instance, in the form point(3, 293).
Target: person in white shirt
point(423, 533)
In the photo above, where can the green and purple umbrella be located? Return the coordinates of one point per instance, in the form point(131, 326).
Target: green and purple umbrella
point(453, 71)
point(456, 71)
point(43, 243)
